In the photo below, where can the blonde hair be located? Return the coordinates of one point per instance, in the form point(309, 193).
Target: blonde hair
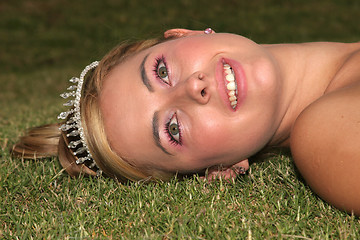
point(48, 140)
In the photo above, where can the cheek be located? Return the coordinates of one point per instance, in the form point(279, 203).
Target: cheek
point(214, 140)
point(192, 52)
point(229, 140)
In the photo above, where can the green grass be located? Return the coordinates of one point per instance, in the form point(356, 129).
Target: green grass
point(44, 43)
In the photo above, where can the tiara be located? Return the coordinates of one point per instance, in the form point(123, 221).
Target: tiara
point(73, 127)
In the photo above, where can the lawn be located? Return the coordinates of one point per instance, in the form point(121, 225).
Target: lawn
point(45, 43)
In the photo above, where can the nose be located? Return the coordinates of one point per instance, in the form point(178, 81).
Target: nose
point(197, 88)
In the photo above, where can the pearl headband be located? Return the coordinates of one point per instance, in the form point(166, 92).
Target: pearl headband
point(73, 126)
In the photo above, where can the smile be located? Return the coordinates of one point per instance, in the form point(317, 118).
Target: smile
point(231, 85)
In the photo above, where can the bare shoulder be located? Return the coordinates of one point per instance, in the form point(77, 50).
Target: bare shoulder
point(325, 143)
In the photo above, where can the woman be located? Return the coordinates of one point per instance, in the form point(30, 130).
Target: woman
point(205, 100)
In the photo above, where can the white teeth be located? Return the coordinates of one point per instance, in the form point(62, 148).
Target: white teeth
point(228, 71)
point(226, 66)
point(233, 98)
point(230, 78)
point(231, 85)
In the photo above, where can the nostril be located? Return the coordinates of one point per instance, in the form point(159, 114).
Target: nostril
point(203, 93)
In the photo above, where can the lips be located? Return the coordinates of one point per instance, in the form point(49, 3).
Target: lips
point(231, 83)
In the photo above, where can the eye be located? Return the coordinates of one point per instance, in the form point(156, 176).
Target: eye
point(173, 130)
point(161, 71)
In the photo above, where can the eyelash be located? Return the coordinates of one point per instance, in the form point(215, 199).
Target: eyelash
point(169, 135)
point(157, 63)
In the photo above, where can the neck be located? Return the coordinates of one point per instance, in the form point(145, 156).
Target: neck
point(306, 71)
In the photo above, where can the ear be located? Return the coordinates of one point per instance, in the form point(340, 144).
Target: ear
point(181, 32)
point(230, 172)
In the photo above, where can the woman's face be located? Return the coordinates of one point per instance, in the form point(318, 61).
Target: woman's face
point(170, 106)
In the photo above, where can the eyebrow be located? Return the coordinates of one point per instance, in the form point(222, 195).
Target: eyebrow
point(155, 120)
point(144, 77)
point(156, 136)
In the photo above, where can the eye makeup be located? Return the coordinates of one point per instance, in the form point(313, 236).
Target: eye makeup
point(172, 127)
point(161, 71)
point(173, 130)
